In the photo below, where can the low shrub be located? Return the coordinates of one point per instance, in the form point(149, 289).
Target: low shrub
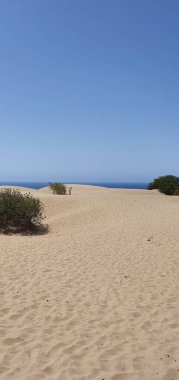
point(166, 184)
point(58, 188)
point(19, 211)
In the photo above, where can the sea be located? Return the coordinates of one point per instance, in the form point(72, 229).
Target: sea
point(114, 185)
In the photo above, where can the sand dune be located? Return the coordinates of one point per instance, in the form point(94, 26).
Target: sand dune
point(96, 297)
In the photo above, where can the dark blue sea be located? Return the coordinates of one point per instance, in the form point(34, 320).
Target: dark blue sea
point(116, 185)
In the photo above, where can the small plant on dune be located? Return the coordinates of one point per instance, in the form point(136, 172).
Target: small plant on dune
point(58, 188)
point(168, 184)
point(19, 212)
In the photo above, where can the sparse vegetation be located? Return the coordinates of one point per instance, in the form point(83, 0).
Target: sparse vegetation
point(19, 212)
point(168, 185)
point(176, 191)
point(58, 188)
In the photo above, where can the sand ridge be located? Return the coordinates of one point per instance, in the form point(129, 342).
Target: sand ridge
point(96, 297)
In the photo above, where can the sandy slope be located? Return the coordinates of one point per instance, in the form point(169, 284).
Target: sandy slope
point(97, 297)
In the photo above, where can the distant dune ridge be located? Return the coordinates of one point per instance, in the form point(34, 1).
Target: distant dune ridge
point(97, 296)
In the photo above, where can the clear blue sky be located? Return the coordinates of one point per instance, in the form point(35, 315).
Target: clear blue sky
point(89, 89)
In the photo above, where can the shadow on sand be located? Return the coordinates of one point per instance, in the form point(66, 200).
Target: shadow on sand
point(30, 230)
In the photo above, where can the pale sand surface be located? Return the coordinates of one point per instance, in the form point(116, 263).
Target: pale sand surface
point(98, 296)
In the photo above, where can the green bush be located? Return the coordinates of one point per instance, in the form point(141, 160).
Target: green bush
point(58, 188)
point(166, 184)
point(19, 211)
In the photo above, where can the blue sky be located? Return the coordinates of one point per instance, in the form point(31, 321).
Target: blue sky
point(89, 89)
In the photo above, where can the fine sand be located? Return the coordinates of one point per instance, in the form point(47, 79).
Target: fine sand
point(97, 297)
